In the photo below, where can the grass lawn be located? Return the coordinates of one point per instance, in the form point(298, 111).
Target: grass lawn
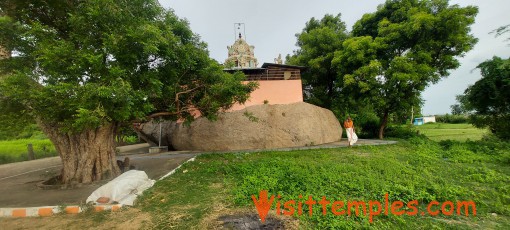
point(218, 185)
point(16, 150)
point(457, 132)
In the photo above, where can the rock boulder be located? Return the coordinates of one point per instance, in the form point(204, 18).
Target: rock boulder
point(255, 127)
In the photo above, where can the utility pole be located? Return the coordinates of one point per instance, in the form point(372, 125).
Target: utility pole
point(30, 151)
point(412, 114)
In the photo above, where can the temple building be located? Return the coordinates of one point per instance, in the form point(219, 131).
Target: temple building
point(278, 83)
point(282, 118)
point(240, 55)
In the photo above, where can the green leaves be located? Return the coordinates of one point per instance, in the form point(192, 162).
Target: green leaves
point(84, 118)
point(387, 60)
point(109, 61)
point(414, 43)
point(318, 42)
point(489, 97)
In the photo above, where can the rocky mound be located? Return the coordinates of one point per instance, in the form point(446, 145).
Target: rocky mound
point(256, 127)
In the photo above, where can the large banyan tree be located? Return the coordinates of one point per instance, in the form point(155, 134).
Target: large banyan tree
point(82, 68)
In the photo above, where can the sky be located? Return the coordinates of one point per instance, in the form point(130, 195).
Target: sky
point(271, 26)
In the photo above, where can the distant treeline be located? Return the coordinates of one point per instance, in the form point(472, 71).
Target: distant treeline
point(452, 119)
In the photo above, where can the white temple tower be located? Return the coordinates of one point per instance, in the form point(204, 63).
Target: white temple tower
point(241, 55)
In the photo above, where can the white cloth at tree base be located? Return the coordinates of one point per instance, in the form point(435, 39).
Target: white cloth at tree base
point(123, 189)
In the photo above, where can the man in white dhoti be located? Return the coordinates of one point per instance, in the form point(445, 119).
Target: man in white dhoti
point(351, 133)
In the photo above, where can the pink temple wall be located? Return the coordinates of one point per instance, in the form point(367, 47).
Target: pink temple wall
point(275, 92)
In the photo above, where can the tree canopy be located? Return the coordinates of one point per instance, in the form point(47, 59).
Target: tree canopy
point(317, 42)
point(489, 97)
point(392, 54)
point(82, 67)
point(502, 30)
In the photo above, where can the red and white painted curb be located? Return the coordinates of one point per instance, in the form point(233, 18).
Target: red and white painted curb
point(52, 210)
point(175, 169)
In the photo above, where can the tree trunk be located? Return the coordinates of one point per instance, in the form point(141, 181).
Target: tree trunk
point(384, 122)
point(88, 155)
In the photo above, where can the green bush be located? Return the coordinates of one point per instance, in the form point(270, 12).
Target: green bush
point(131, 140)
point(497, 125)
point(21, 131)
point(367, 125)
point(489, 147)
point(452, 119)
point(403, 132)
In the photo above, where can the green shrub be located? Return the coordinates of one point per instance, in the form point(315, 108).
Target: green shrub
point(21, 131)
point(452, 119)
point(367, 125)
point(403, 132)
point(127, 140)
point(497, 125)
point(485, 150)
point(131, 140)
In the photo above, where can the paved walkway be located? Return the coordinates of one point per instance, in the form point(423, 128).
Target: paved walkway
point(18, 180)
point(338, 144)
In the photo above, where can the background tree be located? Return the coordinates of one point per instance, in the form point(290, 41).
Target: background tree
point(84, 67)
point(17, 126)
point(401, 48)
point(502, 30)
point(317, 43)
point(489, 97)
point(462, 106)
point(456, 109)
